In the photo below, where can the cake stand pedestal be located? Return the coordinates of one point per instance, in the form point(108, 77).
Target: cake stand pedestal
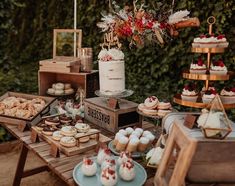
point(113, 99)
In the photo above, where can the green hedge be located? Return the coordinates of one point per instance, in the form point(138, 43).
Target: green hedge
point(26, 37)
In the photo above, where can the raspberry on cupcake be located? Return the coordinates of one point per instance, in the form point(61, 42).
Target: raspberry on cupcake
point(218, 67)
point(189, 93)
point(209, 95)
point(198, 66)
point(227, 95)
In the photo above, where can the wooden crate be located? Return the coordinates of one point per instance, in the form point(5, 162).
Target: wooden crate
point(88, 81)
point(70, 151)
point(60, 64)
point(30, 121)
point(98, 113)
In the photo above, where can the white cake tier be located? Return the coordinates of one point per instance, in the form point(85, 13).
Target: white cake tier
point(112, 76)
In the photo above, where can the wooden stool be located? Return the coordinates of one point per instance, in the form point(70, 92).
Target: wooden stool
point(186, 147)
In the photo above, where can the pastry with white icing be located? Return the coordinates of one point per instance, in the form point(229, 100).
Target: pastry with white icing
point(68, 141)
point(68, 131)
point(143, 144)
point(82, 127)
point(132, 145)
point(57, 135)
point(108, 176)
point(123, 157)
point(127, 170)
point(103, 154)
point(122, 143)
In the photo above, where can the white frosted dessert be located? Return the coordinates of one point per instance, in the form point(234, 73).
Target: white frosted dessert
point(122, 143)
point(132, 145)
point(129, 130)
point(68, 131)
point(103, 154)
point(122, 131)
point(143, 144)
point(155, 155)
point(127, 170)
point(227, 95)
point(109, 163)
point(111, 71)
point(108, 176)
point(151, 102)
point(57, 135)
point(68, 141)
point(189, 93)
point(89, 167)
point(117, 136)
point(82, 127)
point(124, 156)
point(218, 68)
point(208, 96)
point(139, 130)
point(198, 67)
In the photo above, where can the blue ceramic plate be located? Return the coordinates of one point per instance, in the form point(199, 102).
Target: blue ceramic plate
point(83, 180)
point(133, 155)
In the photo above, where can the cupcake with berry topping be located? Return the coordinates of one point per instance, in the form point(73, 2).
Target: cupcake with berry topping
point(218, 67)
point(189, 93)
point(227, 95)
point(198, 67)
point(209, 95)
point(103, 154)
point(89, 167)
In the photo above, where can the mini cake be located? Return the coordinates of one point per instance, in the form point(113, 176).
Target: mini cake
point(111, 71)
point(68, 131)
point(139, 130)
point(124, 132)
point(122, 143)
point(136, 133)
point(151, 102)
point(68, 141)
point(189, 93)
point(89, 167)
point(164, 105)
point(117, 136)
point(218, 68)
point(57, 135)
point(129, 130)
point(210, 41)
point(198, 67)
point(209, 95)
point(143, 144)
point(127, 170)
point(103, 154)
point(146, 133)
point(108, 176)
point(52, 121)
point(132, 145)
point(227, 95)
point(151, 138)
point(82, 127)
point(124, 156)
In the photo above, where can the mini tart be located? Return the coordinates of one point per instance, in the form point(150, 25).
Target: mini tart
point(48, 130)
point(151, 102)
point(68, 141)
point(57, 135)
point(82, 127)
point(52, 121)
point(65, 119)
point(68, 131)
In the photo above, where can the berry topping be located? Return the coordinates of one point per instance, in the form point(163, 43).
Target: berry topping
point(200, 62)
point(219, 62)
point(190, 87)
point(87, 161)
point(202, 36)
point(221, 36)
point(211, 91)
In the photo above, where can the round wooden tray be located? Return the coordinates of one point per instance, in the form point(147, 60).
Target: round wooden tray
point(199, 104)
point(207, 50)
point(210, 77)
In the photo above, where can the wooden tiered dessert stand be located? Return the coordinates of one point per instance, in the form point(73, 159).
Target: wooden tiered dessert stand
point(204, 77)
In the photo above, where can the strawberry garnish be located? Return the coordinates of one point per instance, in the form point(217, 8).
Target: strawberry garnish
point(200, 62)
point(202, 36)
point(221, 36)
point(233, 89)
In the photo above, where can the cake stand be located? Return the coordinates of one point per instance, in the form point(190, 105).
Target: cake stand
point(113, 99)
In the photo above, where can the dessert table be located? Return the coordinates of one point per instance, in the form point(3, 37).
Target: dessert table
point(61, 166)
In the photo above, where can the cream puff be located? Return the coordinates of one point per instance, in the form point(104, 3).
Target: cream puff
point(109, 163)
point(89, 167)
point(103, 154)
point(124, 156)
point(108, 176)
point(68, 131)
point(82, 127)
point(127, 170)
point(68, 141)
point(57, 135)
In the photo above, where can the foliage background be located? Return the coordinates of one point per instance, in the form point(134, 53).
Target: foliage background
point(26, 28)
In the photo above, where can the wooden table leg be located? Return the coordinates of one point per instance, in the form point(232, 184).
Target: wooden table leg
point(20, 166)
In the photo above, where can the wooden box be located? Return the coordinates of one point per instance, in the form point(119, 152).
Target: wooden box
point(60, 64)
point(30, 121)
point(98, 113)
point(88, 81)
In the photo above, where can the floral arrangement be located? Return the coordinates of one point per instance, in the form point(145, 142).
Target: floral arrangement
point(136, 24)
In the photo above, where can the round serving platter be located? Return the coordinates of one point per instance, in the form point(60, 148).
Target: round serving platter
point(109, 94)
point(83, 180)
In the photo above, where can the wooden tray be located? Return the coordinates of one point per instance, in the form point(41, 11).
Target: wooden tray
point(29, 121)
point(81, 147)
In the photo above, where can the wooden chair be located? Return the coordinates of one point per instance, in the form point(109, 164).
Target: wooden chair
point(186, 147)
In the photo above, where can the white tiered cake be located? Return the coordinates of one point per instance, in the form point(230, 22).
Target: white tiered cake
point(111, 71)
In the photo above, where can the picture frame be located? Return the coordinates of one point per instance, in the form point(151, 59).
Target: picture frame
point(66, 42)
